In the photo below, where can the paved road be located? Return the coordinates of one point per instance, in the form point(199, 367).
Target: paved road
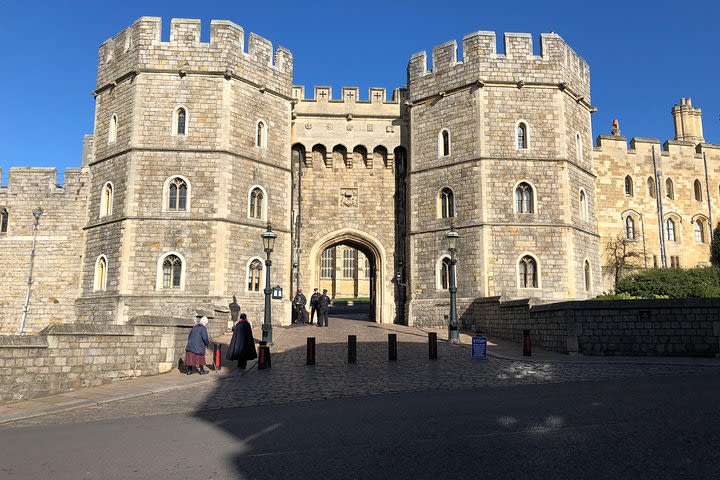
point(652, 427)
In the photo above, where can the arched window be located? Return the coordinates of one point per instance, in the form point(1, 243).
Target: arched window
point(447, 203)
point(349, 263)
point(367, 267)
point(100, 283)
point(578, 147)
point(257, 208)
point(444, 273)
point(327, 261)
point(254, 276)
point(588, 275)
point(444, 143)
point(177, 194)
point(697, 187)
point(528, 272)
point(106, 200)
point(112, 129)
point(670, 230)
point(521, 133)
point(651, 187)
point(669, 189)
point(181, 121)
point(699, 231)
point(524, 201)
point(629, 186)
point(630, 228)
point(172, 268)
point(261, 135)
point(584, 215)
point(4, 218)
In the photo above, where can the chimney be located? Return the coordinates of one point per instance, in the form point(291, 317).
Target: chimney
point(688, 122)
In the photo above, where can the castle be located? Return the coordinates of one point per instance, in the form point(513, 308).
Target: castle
point(196, 146)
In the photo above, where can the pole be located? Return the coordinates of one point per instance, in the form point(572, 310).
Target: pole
point(709, 203)
point(267, 325)
point(298, 217)
point(453, 327)
point(661, 223)
point(36, 227)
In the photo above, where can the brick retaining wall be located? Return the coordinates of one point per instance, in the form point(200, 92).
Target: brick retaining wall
point(663, 327)
point(65, 357)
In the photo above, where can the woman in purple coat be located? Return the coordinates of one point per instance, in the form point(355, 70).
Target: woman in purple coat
point(242, 344)
point(195, 349)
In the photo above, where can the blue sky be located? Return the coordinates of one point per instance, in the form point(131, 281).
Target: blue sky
point(643, 56)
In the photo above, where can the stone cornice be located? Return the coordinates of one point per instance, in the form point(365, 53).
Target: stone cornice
point(507, 224)
point(189, 150)
point(472, 160)
point(224, 74)
point(187, 217)
point(563, 87)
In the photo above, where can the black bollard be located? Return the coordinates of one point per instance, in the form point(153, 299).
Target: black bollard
point(217, 356)
point(352, 348)
point(310, 351)
point(432, 345)
point(527, 344)
point(392, 347)
point(264, 356)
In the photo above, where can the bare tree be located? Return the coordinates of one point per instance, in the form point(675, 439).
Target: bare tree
point(622, 256)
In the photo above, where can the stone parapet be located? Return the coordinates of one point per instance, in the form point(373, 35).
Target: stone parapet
point(65, 357)
point(139, 48)
point(662, 327)
point(557, 65)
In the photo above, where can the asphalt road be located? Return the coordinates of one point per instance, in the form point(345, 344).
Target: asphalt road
point(654, 427)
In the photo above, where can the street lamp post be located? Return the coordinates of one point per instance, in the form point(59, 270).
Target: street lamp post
point(268, 238)
point(452, 238)
point(36, 226)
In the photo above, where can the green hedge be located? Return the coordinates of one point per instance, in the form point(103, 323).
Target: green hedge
point(672, 283)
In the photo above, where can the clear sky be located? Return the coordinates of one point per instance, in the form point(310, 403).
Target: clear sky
point(643, 56)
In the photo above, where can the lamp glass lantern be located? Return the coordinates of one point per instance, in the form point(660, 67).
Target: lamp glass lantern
point(268, 238)
point(452, 238)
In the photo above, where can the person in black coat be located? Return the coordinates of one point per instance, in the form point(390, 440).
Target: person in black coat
point(313, 305)
point(323, 307)
point(299, 303)
point(195, 349)
point(242, 344)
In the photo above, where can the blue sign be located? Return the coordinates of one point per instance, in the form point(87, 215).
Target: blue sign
point(479, 347)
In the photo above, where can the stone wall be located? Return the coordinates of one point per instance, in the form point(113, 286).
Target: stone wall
point(65, 357)
point(59, 248)
point(663, 327)
point(682, 163)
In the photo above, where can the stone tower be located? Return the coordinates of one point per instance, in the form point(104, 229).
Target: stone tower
point(191, 159)
point(500, 145)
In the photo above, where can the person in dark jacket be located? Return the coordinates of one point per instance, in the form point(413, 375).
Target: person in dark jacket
point(195, 349)
point(323, 304)
point(242, 344)
point(299, 303)
point(313, 305)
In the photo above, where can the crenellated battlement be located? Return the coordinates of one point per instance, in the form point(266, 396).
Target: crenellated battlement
point(348, 95)
point(41, 181)
point(557, 64)
point(614, 145)
point(139, 48)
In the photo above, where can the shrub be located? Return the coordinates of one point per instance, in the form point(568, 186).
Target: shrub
point(672, 283)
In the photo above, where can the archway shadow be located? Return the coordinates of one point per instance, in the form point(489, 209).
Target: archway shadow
point(360, 312)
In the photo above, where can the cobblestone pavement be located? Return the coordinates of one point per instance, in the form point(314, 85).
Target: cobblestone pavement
point(290, 380)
